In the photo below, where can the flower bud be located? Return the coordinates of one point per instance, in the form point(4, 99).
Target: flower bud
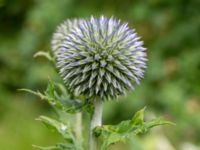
point(99, 57)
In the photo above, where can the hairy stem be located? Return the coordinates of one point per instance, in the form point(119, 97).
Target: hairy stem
point(96, 120)
point(78, 126)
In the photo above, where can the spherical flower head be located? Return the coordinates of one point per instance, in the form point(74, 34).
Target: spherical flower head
point(101, 58)
point(61, 31)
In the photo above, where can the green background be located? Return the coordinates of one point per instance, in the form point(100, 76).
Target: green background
point(170, 88)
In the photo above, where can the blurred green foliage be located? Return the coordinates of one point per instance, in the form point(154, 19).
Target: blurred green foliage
point(171, 87)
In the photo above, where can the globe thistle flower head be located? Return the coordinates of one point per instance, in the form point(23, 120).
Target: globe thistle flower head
point(101, 57)
point(61, 31)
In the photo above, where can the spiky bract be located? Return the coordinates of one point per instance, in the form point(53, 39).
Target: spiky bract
point(61, 31)
point(101, 57)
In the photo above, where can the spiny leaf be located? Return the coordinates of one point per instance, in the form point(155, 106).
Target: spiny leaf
point(138, 118)
point(59, 146)
point(111, 134)
point(39, 94)
point(71, 143)
point(50, 89)
point(60, 127)
point(43, 54)
point(60, 102)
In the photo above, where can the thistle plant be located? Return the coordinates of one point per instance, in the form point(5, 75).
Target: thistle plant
point(99, 59)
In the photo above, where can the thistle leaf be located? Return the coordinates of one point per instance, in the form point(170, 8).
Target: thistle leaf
point(39, 94)
point(60, 102)
point(59, 127)
point(59, 146)
point(111, 134)
point(43, 54)
point(71, 143)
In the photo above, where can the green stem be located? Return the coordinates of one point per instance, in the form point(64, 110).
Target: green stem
point(78, 125)
point(96, 120)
